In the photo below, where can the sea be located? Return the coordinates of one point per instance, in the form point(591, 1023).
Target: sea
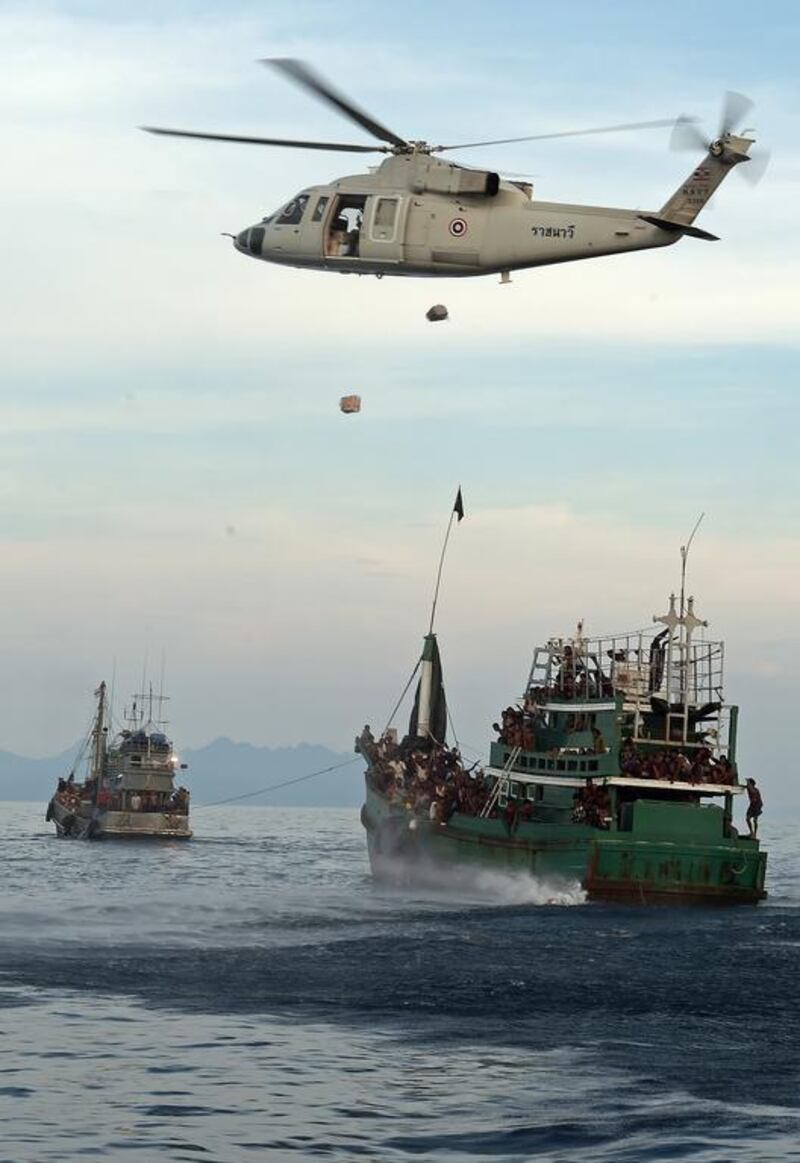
point(253, 995)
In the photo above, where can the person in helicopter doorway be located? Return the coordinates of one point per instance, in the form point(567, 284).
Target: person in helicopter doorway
point(354, 234)
point(754, 808)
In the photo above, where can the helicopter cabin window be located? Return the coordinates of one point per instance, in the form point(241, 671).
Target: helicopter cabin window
point(343, 235)
point(319, 209)
point(384, 217)
point(293, 211)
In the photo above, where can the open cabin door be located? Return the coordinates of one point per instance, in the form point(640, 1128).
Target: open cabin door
point(383, 229)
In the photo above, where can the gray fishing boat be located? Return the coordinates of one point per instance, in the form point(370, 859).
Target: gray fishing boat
point(129, 789)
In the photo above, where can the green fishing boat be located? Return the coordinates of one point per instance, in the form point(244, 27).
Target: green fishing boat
point(616, 768)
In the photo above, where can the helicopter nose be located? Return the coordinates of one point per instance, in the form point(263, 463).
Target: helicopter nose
point(250, 241)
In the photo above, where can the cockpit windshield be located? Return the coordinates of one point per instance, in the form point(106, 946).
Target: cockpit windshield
point(292, 212)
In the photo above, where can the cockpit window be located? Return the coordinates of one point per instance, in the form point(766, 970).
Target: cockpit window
point(293, 212)
point(319, 209)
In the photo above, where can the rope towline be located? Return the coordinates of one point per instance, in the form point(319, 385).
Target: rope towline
point(403, 695)
point(277, 786)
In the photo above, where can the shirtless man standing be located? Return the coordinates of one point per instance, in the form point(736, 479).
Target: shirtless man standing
point(754, 808)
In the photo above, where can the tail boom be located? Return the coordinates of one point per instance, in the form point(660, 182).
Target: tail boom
point(687, 201)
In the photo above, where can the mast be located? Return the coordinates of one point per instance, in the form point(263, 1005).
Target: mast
point(429, 717)
point(99, 735)
point(426, 687)
point(685, 628)
point(685, 621)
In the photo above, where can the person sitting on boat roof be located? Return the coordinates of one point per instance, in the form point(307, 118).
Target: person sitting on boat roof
point(701, 768)
point(365, 742)
point(683, 766)
point(724, 770)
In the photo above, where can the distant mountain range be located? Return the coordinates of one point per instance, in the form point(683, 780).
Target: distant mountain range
point(221, 770)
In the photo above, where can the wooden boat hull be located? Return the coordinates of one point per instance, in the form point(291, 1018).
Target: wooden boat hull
point(677, 868)
point(86, 824)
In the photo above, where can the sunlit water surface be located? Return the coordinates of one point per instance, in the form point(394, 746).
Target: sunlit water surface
point(251, 995)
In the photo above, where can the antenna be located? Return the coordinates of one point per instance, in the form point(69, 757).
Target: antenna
point(144, 677)
point(113, 688)
point(684, 557)
point(163, 668)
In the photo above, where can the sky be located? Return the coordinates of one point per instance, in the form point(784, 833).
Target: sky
point(177, 485)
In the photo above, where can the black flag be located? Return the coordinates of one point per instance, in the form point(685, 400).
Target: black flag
point(458, 507)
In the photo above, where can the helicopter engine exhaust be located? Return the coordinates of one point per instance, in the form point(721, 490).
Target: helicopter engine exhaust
point(452, 179)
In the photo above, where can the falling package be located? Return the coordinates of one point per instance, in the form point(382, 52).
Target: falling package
point(436, 313)
point(350, 404)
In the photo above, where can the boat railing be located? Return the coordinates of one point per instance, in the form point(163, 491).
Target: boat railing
point(649, 671)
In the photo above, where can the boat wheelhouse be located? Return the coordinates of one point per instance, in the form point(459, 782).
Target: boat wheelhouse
point(129, 791)
point(616, 768)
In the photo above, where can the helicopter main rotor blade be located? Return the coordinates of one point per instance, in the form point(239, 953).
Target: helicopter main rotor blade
point(306, 78)
point(567, 133)
point(332, 145)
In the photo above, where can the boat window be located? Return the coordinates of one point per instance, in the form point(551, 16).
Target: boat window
point(532, 789)
point(560, 765)
point(293, 211)
point(582, 765)
point(549, 765)
point(319, 209)
point(592, 765)
point(572, 765)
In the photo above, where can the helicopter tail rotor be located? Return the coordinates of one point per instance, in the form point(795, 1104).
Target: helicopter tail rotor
point(686, 136)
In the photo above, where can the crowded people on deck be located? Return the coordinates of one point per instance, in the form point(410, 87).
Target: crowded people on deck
point(429, 779)
point(674, 766)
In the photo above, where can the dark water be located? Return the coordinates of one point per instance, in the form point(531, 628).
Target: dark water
point(251, 996)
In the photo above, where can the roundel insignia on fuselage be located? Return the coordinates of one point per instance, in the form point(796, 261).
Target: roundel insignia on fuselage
point(458, 227)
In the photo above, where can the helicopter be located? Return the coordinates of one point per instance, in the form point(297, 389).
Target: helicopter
point(418, 214)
